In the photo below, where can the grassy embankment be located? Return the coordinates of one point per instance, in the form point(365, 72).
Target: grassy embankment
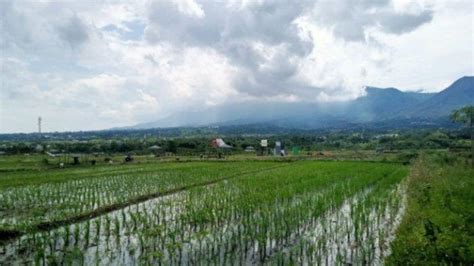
point(438, 227)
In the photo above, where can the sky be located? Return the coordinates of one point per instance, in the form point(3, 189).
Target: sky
point(86, 65)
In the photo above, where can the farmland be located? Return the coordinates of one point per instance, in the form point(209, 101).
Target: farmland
point(72, 194)
point(242, 212)
point(241, 133)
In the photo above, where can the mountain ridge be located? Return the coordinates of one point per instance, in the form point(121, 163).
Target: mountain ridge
point(377, 105)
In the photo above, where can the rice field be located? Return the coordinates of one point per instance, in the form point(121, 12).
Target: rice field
point(24, 208)
point(232, 213)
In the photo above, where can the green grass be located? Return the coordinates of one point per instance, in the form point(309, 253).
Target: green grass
point(438, 227)
point(21, 162)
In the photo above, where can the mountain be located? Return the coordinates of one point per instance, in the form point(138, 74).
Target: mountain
point(459, 94)
point(379, 106)
point(247, 113)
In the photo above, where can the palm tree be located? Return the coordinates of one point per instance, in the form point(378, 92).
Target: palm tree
point(465, 116)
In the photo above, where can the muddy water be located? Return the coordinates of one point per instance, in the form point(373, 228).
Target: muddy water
point(124, 237)
point(343, 236)
point(108, 239)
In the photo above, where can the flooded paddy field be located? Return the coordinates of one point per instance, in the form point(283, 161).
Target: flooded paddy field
point(303, 212)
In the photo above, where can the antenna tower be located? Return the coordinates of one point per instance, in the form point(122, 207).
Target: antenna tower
point(39, 124)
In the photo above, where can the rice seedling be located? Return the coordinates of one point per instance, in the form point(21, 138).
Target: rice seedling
point(305, 213)
point(23, 208)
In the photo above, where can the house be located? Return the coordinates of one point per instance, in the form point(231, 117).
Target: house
point(154, 148)
point(219, 143)
point(249, 149)
point(279, 149)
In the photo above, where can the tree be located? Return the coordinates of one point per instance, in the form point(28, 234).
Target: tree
point(171, 146)
point(465, 116)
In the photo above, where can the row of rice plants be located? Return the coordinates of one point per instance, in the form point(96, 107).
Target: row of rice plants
point(357, 233)
point(255, 219)
point(23, 207)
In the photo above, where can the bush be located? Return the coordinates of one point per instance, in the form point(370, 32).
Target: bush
point(407, 157)
point(444, 158)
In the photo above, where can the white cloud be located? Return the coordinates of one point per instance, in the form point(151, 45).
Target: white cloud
point(117, 63)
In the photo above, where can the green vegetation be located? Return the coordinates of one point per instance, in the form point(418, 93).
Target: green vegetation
point(343, 198)
point(438, 227)
point(196, 145)
point(30, 198)
point(273, 216)
point(465, 116)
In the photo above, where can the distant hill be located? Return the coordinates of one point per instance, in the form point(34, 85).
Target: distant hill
point(459, 94)
point(379, 106)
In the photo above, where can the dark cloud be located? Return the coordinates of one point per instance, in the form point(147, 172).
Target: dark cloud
point(402, 23)
point(350, 19)
point(150, 58)
point(261, 39)
point(41, 29)
point(14, 26)
point(236, 31)
point(168, 23)
point(74, 32)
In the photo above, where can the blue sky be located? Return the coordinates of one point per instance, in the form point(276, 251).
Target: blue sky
point(85, 65)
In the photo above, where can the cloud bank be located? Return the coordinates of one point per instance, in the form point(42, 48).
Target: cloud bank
point(92, 66)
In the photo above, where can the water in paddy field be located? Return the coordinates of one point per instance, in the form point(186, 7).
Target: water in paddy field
point(342, 236)
point(357, 231)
